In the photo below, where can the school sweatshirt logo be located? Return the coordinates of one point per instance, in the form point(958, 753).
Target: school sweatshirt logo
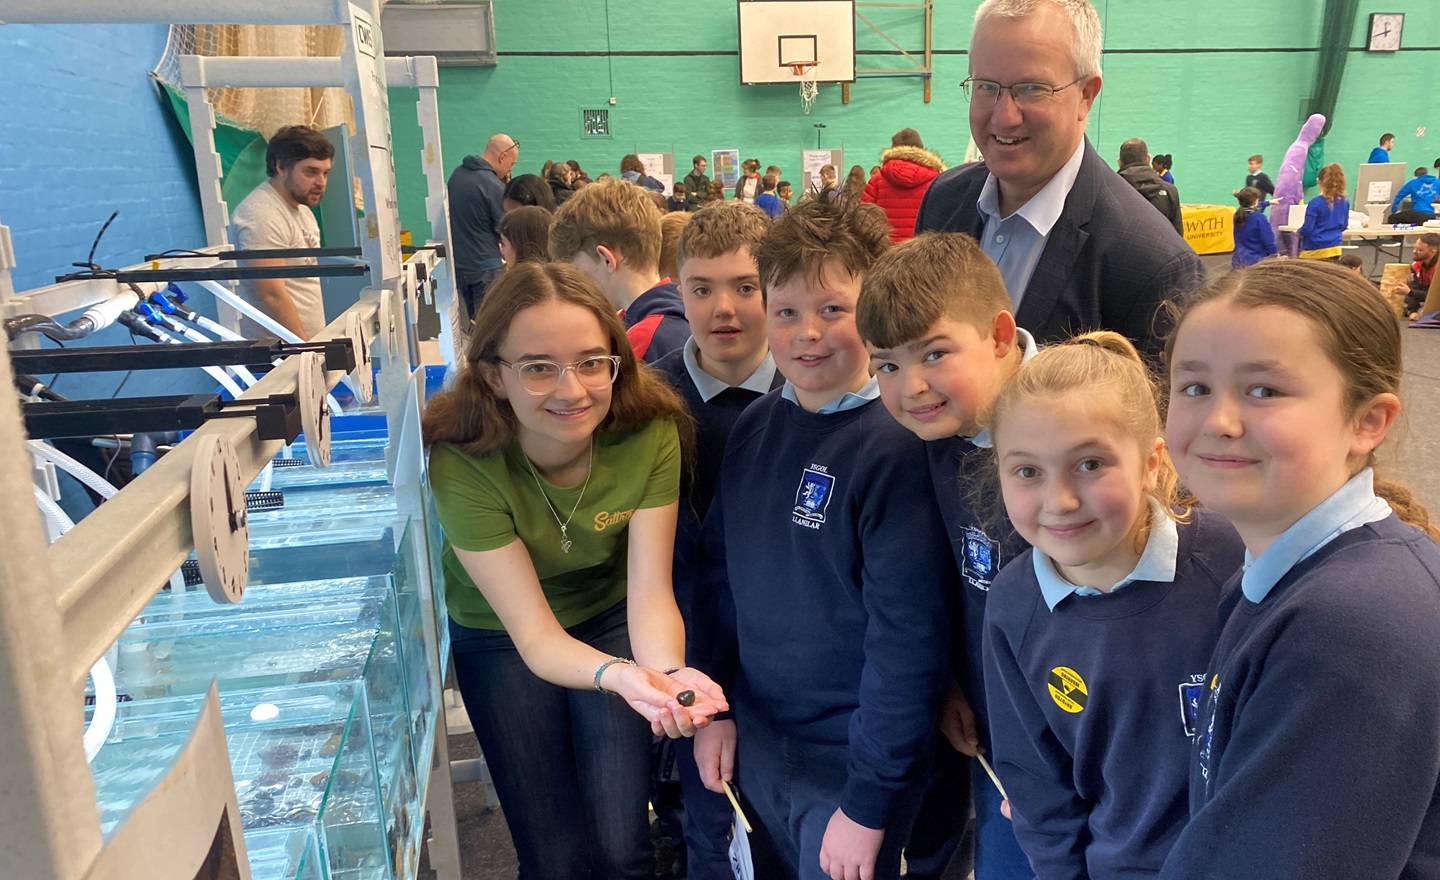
point(813, 497)
point(1191, 693)
point(1068, 689)
point(982, 559)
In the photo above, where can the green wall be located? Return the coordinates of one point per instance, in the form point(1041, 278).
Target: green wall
point(1209, 81)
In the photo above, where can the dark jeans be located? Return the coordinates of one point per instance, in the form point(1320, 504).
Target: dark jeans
point(792, 788)
point(473, 287)
point(944, 814)
point(707, 820)
point(997, 854)
point(571, 767)
point(1416, 217)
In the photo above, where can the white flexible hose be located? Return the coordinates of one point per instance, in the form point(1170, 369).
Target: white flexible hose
point(102, 721)
point(72, 467)
point(259, 317)
point(225, 381)
point(249, 311)
point(193, 335)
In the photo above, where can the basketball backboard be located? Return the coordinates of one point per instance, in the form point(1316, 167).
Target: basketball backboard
point(776, 34)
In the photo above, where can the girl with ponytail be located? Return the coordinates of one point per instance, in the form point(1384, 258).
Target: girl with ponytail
point(1097, 639)
point(555, 466)
point(1318, 754)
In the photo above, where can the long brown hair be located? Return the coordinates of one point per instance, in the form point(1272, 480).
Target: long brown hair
point(1355, 328)
point(1332, 182)
point(472, 417)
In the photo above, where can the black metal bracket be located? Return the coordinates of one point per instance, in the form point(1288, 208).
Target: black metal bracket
point(238, 273)
point(339, 356)
point(277, 417)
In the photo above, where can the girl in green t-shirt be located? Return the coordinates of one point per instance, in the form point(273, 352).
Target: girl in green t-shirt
point(555, 466)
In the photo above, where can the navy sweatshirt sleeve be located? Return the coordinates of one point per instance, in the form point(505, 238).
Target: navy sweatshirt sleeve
point(906, 636)
point(714, 650)
point(1037, 770)
point(1318, 753)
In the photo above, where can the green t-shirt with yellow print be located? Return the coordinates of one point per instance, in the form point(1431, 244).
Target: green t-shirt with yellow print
point(486, 502)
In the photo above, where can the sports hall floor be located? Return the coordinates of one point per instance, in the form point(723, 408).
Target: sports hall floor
point(485, 850)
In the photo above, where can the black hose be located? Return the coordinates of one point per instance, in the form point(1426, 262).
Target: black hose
point(33, 387)
point(76, 329)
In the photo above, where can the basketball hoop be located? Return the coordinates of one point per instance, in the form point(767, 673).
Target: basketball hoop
point(809, 89)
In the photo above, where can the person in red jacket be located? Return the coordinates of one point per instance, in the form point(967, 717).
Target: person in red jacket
point(906, 171)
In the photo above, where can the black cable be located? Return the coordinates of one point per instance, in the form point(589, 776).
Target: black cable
point(90, 260)
point(128, 373)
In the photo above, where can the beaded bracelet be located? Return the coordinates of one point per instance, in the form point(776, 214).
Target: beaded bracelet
point(606, 665)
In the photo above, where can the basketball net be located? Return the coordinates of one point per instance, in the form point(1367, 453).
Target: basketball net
point(809, 89)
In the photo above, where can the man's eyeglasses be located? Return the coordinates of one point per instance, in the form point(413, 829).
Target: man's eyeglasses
point(986, 92)
point(513, 145)
point(543, 377)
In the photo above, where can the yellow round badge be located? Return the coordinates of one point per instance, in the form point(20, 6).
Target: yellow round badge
point(1068, 689)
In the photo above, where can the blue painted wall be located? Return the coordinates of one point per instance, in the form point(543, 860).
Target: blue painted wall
point(83, 133)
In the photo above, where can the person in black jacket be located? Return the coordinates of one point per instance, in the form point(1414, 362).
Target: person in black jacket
point(1072, 244)
point(1136, 169)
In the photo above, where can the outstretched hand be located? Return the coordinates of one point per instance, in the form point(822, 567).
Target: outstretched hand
point(655, 696)
point(957, 722)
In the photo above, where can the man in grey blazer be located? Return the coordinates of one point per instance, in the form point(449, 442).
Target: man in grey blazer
point(1079, 249)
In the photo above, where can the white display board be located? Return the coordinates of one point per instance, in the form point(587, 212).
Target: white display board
point(811, 161)
point(777, 33)
point(660, 166)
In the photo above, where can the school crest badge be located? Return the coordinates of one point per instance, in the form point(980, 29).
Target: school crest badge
point(982, 559)
point(812, 497)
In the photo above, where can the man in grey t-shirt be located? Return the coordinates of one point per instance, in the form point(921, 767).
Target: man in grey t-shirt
point(277, 214)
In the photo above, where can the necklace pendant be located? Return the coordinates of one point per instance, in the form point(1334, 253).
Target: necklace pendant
point(564, 539)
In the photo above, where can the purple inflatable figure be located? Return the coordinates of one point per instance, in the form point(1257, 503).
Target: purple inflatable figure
point(1290, 182)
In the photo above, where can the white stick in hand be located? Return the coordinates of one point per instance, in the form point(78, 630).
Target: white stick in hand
point(993, 778)
point(730, 793)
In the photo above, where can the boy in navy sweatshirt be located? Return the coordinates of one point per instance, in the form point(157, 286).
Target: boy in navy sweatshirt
point(830, 572)
point(721, 369)
point(610, 230)
point(942, 342)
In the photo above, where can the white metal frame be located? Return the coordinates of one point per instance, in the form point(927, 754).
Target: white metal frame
point(60, 610)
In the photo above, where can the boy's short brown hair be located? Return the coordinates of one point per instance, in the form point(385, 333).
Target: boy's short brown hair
point(1258, 159)
point(800, 241)
point(614, 213)
point(671, 226)
point(932, 276)
point(719, 229)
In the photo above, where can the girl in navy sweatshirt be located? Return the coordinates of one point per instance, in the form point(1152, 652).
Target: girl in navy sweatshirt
point(1318, 746)
point(1096, 639)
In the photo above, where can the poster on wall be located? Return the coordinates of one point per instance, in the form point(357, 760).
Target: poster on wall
point(725, 167)
point(811, 161)
point(660, 166)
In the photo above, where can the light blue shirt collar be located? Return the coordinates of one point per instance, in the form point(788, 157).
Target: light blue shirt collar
point(849, 400)
point(709, 386)
point(1028, 351)
point(1157, 562)
point(1045, 207)
point(1351, 506)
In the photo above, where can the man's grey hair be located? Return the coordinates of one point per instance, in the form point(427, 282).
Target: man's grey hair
point(1089, 37)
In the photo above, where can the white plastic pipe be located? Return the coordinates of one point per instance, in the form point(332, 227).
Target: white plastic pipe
point(240, 373)
point(249, 311)
point(72, 467)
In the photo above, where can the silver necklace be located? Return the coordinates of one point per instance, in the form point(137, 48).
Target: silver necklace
point(564, 526)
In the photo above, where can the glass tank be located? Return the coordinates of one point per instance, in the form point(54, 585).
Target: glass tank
point(306, 780)
point(345, 639)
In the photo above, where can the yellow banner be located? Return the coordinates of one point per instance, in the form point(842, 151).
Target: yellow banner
point(1209, 228)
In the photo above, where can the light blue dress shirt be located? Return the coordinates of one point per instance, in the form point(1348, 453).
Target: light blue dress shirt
point(709, 386)
point(1016, 242)
point(849, 400)
point(1353, 505)
point(1157, 562)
